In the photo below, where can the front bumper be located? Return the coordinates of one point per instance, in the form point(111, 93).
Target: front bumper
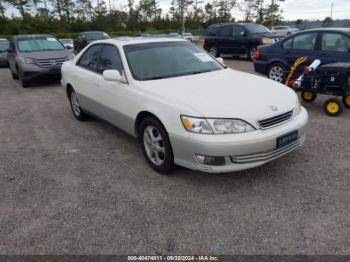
point(241, 151)
point(31, 71)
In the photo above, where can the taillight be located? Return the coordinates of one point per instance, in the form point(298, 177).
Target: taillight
point(257, 54)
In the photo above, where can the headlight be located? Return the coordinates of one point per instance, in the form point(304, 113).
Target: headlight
point(267, 40)
point(215, 126)
point(230, 126)
point(25, 60)
point(196, 125)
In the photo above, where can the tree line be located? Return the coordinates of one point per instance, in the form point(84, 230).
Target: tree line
point(60, 16)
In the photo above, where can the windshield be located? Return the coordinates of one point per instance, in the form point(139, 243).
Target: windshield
point(168, 59)
point(96, 36)
point(4, 45)
point(39, 44)
point(257, 29)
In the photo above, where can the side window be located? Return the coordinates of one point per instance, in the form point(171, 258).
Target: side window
point(110, 59)
point(288, 43)
point(237, 31)
point(90, 58)
point(226, 30)
point(335, 42)
point(305, 41)
point(211, 31)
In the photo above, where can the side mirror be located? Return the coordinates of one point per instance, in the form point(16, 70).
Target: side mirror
point(113, 75)
point(220, 60)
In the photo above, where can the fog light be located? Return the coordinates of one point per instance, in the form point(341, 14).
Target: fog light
point(211, 160)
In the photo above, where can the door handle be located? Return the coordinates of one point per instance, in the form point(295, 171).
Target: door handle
point(322, 54)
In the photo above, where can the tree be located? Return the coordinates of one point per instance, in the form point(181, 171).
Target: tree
point(149, 10)
point(2, 9)
point(327, 22)
point(224, 8)
point(22, 6)
point(300, 24)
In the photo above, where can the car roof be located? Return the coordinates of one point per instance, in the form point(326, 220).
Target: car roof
point(3, 39)
point(93, 32)
point(32, 36)
point(340, 29)
point(139, 40)
point(232, 23)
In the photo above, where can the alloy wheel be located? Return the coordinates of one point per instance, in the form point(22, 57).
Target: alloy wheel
point(276, 73)
point(154, 145)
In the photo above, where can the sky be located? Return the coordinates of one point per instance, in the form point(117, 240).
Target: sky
point(292, 9)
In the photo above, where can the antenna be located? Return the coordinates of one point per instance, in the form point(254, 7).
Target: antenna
point(332, 10)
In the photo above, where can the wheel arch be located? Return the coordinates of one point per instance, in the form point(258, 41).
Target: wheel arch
point(142, 115)
point(69, 88)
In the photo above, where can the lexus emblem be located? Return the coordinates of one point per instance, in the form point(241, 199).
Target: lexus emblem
point(274, 108)
point(53, 62)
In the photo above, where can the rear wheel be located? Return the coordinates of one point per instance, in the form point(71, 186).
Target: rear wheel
point(308, 96)
point(277, 72)
point(346, 101)
point(156, 146)
point(252, 53)
point(333, 107)
point(75, 106)
point(214, 51)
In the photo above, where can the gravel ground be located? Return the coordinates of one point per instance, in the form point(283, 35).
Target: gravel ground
point(68, 187)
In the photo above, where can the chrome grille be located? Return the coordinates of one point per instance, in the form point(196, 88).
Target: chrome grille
point(50, 63)
point(276, 120)
point(266, 156)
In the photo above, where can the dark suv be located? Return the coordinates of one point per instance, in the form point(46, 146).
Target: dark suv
point(237, 39)
point(86, 38)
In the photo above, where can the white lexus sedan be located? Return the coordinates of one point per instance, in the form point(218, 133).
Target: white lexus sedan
point(184, 106)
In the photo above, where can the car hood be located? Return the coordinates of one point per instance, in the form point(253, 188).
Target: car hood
point(226, 94)
point(47, 54)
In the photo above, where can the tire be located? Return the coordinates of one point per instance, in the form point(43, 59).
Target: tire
point(214, 51)
point(156, 146)
point(277, 72)
point(346, 101)
point(333, 107)
point(308, 96)
point(75, 107)
point(251, 53)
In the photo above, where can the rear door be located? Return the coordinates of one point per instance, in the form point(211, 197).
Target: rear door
point(335, 47)
point(239, 41)
point(301, 45)
point(225, 39)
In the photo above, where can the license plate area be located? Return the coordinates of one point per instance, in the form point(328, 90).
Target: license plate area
point(287, 139)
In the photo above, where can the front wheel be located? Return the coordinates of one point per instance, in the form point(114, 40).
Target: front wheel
point(308, 96)
point(277, 72)
point(333, 107)
point(156, 146)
